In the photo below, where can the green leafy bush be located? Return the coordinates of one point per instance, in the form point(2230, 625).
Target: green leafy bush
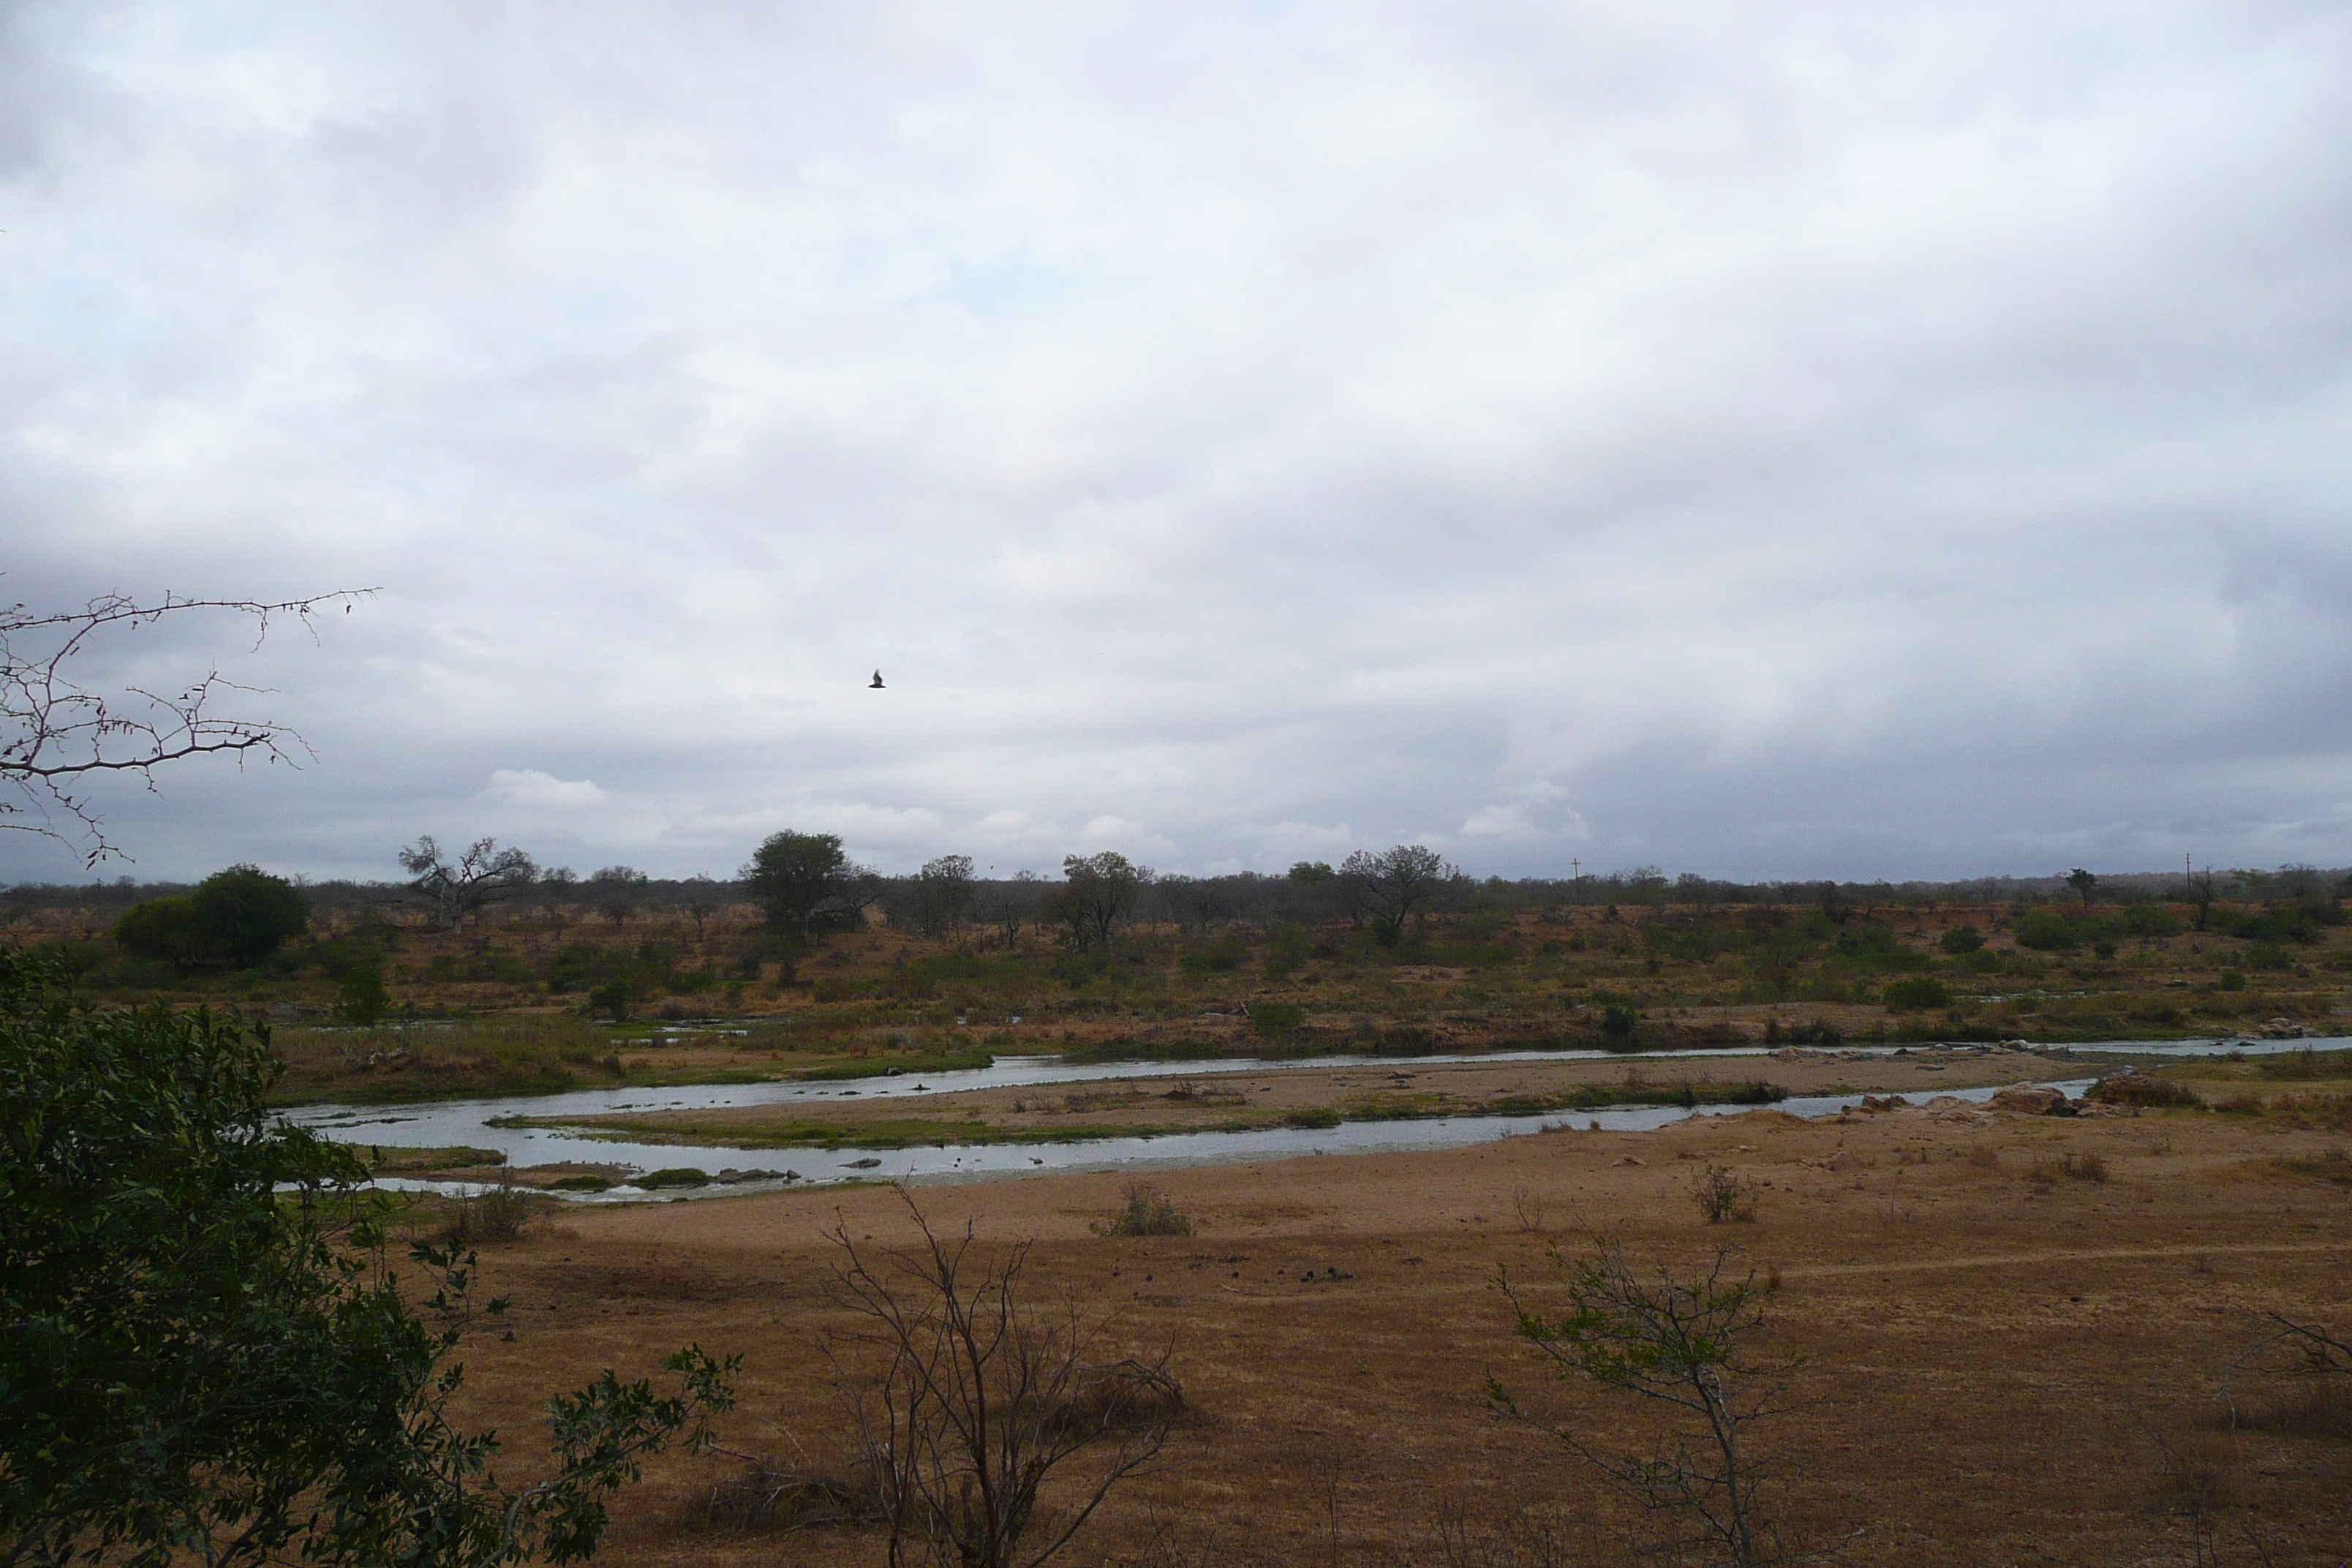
point(2046, 930)
point(235, 919)
point(1917, 990)
point(203, 1360)
point(1277, 1018)
point(1961, 939)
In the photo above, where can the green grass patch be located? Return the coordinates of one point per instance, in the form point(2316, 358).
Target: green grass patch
point(395, 1161)
point(898, 1065)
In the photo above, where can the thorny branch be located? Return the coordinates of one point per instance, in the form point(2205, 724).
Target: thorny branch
point(55, 733)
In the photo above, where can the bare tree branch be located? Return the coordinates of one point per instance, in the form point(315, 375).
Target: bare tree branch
point(968, 1401)
point(54, 732)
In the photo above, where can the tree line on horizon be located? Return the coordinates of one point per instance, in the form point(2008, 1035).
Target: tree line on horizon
point(454, 886)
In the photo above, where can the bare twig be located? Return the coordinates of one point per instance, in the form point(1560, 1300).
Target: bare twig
point(968, 1400)
point(55, 733)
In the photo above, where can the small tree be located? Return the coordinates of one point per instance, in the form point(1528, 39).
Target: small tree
point(969, 1401)
point(701, 901)
point(1395, 882)
point(1672, 1342)
point(1096, 892)
point(943, 894)
point(1198, 903)
point(251, 912)
point(1004, 905)
point(806, 883)
point(618, 890)
point(236, 918)
point(457, 890)
point(2202, 890)
point(2083, 882)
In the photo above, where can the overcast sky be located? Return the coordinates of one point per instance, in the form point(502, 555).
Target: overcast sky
point(1855, 439)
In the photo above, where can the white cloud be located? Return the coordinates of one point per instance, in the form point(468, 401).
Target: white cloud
point(531, 787)
point(1814, 447)
point(1534, 810)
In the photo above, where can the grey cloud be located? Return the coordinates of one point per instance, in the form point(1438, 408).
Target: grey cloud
point(1857, 439)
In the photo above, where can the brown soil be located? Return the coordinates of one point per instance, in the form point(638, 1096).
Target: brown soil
point(1989, 1357)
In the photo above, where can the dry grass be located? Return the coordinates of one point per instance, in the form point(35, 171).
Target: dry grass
point(1147, 1211)
point(1964, 1376)
point(2048, 1169)
point(484, 1218)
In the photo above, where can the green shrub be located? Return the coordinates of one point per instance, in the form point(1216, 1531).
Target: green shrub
point(1917, 990)
point(235, 919)
point(360, 998)
point(1618, 1021)
point(1961, 939)
point(2046, 930)
point(1285, 950)
point(1220, 958)
point(1277, 1018)
point(1312, 1120)
point(167, 930)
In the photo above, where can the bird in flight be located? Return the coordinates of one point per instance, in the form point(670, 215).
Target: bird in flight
point(874, 684)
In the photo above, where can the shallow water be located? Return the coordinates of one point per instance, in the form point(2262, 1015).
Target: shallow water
point(467, 1123)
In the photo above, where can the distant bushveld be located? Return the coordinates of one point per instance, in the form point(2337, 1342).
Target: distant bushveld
point(485, 975)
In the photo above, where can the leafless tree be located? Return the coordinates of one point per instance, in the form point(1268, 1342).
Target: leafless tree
point(1004, 905)
point(701, 901)
point(1198, 903)
point(56, 734)
point(969, 1401)
point(618, 890)
point(480, 876)
point(943, 894)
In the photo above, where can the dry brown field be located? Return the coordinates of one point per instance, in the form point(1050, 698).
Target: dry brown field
point(1997, 1362)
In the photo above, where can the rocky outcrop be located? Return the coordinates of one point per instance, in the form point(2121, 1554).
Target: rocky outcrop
point(2033, 1099)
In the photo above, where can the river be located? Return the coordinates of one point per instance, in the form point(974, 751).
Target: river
point(470, 1123)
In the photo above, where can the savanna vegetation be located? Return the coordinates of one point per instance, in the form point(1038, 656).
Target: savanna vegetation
point(483, 974)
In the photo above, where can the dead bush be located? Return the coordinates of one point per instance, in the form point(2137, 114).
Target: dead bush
point(1722, 1196)
point(993, 1431)
point(2047, 1169)
point(1126, 1395)
point(494, 1214)
point(762, 1496)
point(2334, 1166)
point(2330, 1112)
point(1147, 1211)
point(2296, 1378)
